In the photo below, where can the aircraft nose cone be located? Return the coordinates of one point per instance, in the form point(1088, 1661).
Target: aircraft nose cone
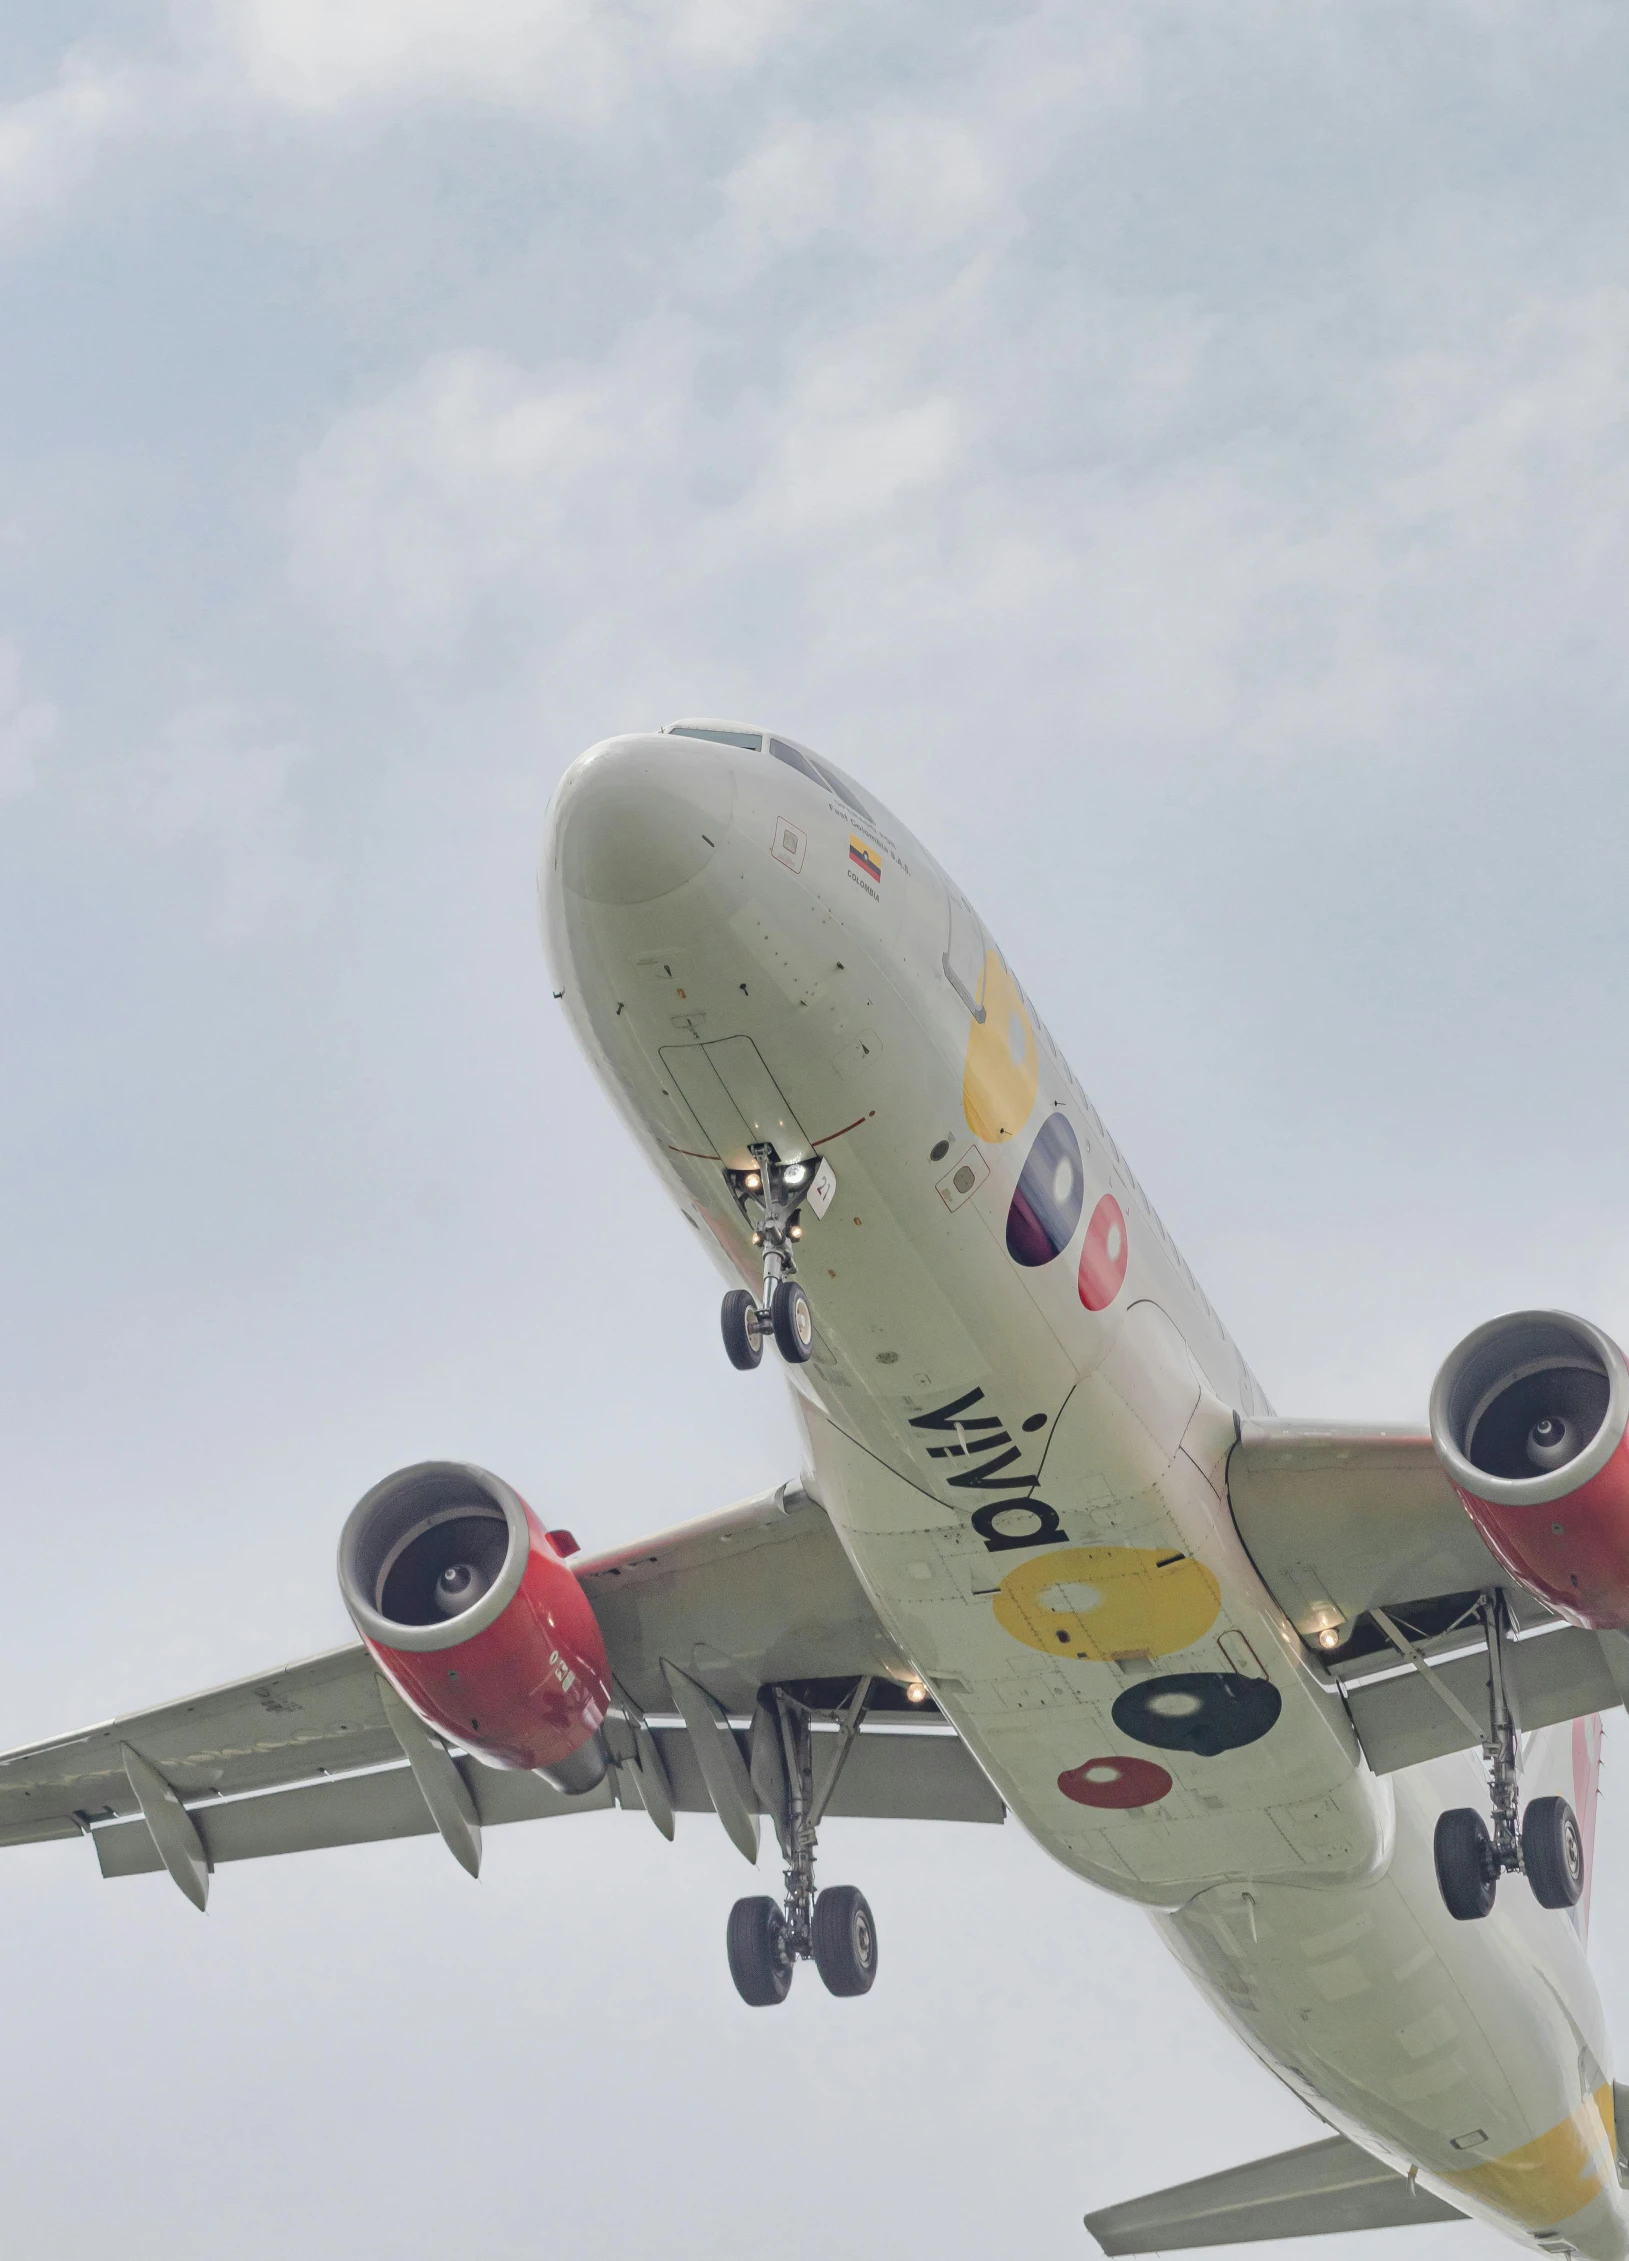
point(639, 816)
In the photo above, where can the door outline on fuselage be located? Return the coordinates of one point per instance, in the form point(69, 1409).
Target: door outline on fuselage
point(735, 1100)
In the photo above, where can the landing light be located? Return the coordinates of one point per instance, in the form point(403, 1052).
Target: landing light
point(794, 1232)
point(754, 1182)
point(795, 1173)
point(1329, 1638)
point(916, 1693)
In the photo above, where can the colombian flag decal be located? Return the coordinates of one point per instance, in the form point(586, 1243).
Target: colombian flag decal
point(867, 858)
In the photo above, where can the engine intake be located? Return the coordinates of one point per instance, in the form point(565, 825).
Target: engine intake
point(470, 1610)
point(1529, 1416)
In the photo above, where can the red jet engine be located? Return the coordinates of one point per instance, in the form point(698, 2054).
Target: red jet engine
point(470, 1610)
point(1528, 1417)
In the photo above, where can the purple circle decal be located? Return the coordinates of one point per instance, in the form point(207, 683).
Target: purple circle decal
point(1051, 1193)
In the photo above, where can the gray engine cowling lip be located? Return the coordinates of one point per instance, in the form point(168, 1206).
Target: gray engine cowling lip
point(412, 1491)
point(1557, 1483)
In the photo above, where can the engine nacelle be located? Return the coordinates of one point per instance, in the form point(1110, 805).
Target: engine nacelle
point(1529, 1416)
point(471, 1612)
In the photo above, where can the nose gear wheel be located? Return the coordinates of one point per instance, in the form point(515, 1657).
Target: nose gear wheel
point(743, 1330)
point(793, 1323)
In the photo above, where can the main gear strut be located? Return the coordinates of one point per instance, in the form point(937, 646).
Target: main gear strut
point(1544, 1843)
point(835, 1928)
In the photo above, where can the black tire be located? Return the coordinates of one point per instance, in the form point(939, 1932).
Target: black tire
point(1553, 1853)
point(843, 1940)
point(1466, 1876)
point(759, 1964)
point(794, 1324)
point(743, 1337)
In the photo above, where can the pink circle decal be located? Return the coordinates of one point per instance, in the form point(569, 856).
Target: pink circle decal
point(1103, 1259)
point(1116, 1782)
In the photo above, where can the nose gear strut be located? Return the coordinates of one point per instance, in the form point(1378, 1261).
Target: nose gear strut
point(776, 1190)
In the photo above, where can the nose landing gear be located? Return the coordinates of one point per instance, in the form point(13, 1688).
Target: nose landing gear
point(833, 1929)
point(1545, 1844)
point(777, 1191)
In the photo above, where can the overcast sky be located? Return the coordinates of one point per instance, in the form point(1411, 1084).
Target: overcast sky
point(1177, 456)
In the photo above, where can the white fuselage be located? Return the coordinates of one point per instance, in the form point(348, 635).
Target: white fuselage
point(1018, 1416)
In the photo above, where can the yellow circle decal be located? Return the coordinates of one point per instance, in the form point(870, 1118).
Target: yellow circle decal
point(1003, 1070)
point(1104, 1603)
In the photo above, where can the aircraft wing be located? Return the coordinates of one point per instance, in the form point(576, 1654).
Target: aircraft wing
point(696, 1620)
point(1357, 1531)
point(1321, 2188)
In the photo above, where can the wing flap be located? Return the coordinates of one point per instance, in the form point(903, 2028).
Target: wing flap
point(1323, 2187)
point(358, 1809)
point(911, 1775)
point(1555, 1675)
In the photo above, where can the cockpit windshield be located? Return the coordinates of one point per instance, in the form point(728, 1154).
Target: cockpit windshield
point(822, 774)
point(749, 741)
point(796, 757)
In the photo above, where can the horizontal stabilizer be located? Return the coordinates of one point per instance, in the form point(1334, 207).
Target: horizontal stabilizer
point(1323, 2187)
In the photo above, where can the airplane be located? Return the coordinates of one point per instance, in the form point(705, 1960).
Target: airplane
point(1325, 1699)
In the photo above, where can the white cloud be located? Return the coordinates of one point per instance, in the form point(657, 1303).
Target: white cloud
point(473, 476)
point(573, 62)
point(218, 785)
point(28, 724)
point(480, 482)
point(894, 183)
point(51, 140)
point(861, 429)
point(568, 59)
point(1202, 588)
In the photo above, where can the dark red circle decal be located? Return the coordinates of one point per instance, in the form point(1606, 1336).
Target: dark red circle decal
point(1103, 1259)
point(1115, 1782)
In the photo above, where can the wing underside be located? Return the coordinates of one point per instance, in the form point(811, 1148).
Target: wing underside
point(1362, 1541)
point(321, 1753)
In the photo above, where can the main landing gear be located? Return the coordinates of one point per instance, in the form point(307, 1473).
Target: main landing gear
point(833, 1929)
point(777, 1191)
point(1544, 1843)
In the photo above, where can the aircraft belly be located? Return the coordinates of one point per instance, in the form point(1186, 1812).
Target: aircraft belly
point(1292, 1803)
